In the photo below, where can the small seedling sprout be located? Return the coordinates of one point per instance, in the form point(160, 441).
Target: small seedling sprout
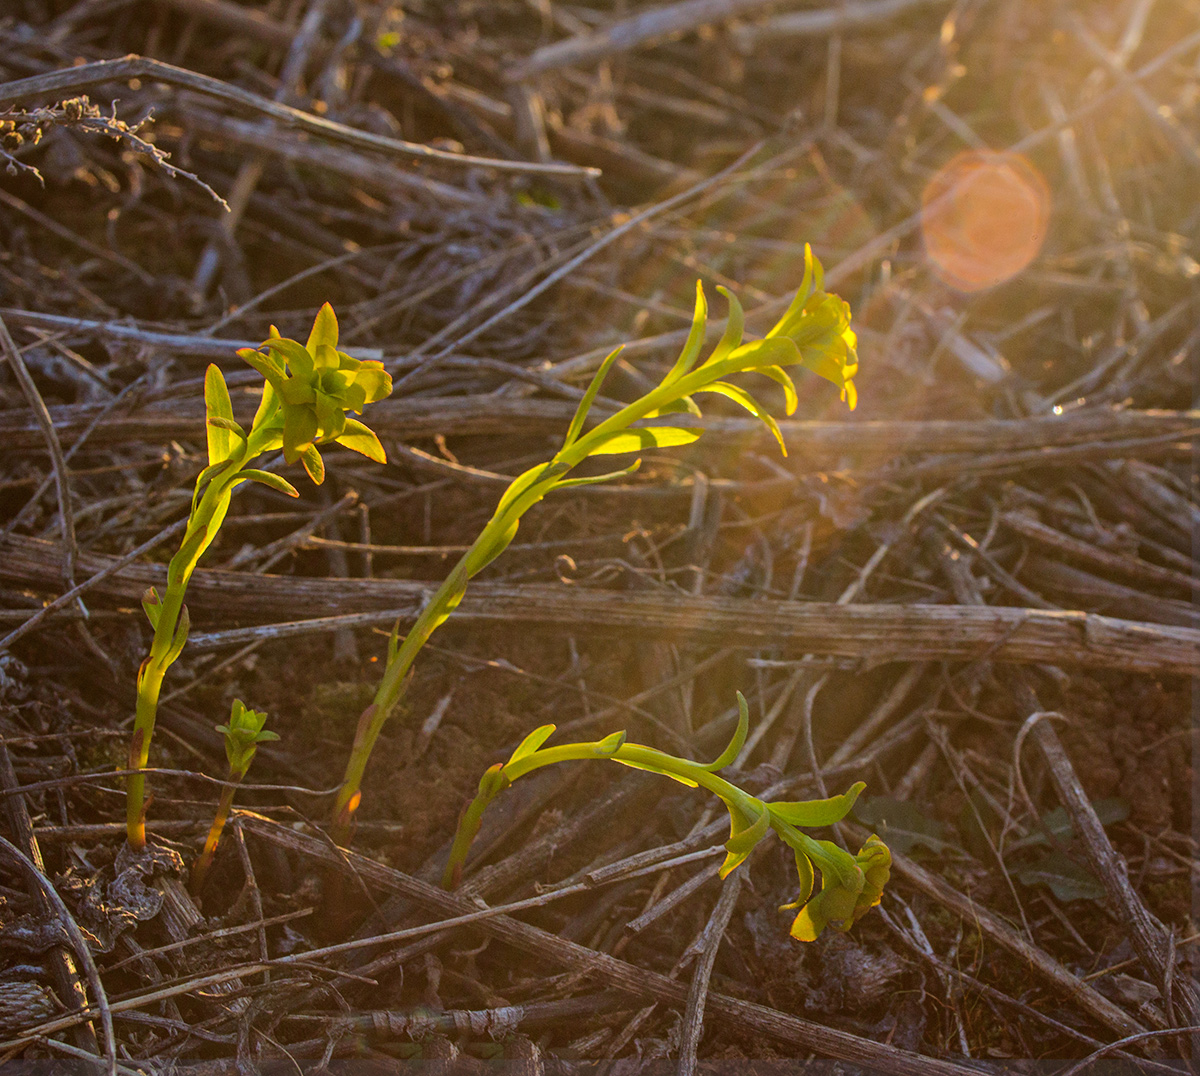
point(814, 332)
point(306, 393)
point(850, 885)
point(242, 735)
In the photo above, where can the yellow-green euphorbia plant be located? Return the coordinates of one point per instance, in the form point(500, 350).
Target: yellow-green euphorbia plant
point(813, 333)
point(850, 885)
point(306, 393)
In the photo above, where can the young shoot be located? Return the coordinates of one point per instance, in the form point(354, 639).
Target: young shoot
point(850, 885)
point(242, 735)
point(306, 393)
point(813, 333)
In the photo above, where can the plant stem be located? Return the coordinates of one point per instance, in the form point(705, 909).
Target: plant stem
point(447, 597)
point(202, 526)
point(200, 870)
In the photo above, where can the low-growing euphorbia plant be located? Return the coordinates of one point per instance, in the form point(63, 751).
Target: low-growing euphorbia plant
point(306, 393)
point(850, 885)
point(814, 333)
point(242, 735)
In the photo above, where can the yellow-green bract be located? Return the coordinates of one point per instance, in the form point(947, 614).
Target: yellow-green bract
point(813, 333)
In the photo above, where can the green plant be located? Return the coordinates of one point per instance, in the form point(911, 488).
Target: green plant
point(850, 885)
point(307, 391)
point(243, 734)
point(814, 332)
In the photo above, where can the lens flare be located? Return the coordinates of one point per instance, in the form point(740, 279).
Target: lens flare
point(983, 218)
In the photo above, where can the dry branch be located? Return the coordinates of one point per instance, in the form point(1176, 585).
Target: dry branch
point(639, 982)
point(105, 71)
point(872, 633)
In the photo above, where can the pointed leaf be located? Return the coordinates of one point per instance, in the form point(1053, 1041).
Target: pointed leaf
point(655, 769)
point(266, 406)
point(299, 429)
point(217, 406)
point(695, 339)
point(638, 440)
point(313, 464)
point(795, 311)
point(393, 643)
point(625, 472)
point(181, 634)
point(740, 396)
point(611, 744)
point(185, 560)
point(742, 840)
point(374, 380)
point(589, 397)
point(267, 365)
point(325, 329)
point(739, 738)
point(359, 438)
point(731, 339)
point(266, 478)
point(814, 813)
point(531, 743)
point(153, 607)
point(780, 375)
point(298, 359)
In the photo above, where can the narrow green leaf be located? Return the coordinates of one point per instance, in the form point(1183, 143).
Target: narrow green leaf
point(358, 438)
point(795, 310)
point(739, 738)
point(181, 634)
point(267, 406)
point(313, 464)
point(325, 328)
point(217, 406)
point(267, 365)
point(266, 478)
point(731, 339)
point(655, 769)
point(814, 813)
point(695, 339)
point(589, 397)
point(780, 375)
point(153, 607)
point(611, 744)
point(531, 743)
point(638, 440)
point(625, 472)
point(741, 397)
point(185, 560)
point(298, 358)
point(743, 839)
point(393, 643)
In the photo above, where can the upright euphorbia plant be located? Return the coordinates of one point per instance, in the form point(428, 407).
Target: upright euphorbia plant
point(307, 391)
point(814, 333)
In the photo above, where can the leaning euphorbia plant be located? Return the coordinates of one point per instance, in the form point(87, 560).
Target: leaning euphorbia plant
point(307, 391)
point(814, 333)
point(850, 885)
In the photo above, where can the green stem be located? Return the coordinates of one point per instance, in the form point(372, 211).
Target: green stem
point(160, 659)
point(200, 870)
point(447, 597)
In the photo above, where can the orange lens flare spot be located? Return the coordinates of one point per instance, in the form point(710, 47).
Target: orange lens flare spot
point(983, 218)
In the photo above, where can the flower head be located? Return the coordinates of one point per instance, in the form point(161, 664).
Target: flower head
point(819, 324)
point(313, 386)
point(845, 896)
point(243, 734)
